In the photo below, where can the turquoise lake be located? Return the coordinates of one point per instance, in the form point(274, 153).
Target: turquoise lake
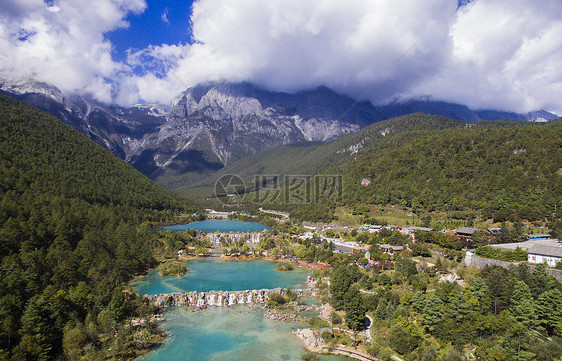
point(219, 275)
point(213, 225)
point(216, 333)
point(240, 333)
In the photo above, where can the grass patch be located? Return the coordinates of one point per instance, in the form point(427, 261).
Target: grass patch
point(345, 216)
point(393, 215)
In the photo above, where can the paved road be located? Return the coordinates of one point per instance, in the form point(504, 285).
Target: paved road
point(284, 215)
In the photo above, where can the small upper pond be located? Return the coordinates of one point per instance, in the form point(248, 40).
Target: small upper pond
point(213, 225)
point(218, 275)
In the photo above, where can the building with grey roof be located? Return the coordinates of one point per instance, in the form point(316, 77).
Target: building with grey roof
point(551, 255)
point(539, 251)
point(465, 234)
point(412, 229)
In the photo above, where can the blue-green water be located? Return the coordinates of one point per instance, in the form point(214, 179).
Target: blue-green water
point(311, 300)
point(216, 333)
point(240, 333)
point(219, 275)
point(212, 225)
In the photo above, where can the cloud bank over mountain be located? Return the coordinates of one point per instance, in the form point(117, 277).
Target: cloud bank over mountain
point(502, 54)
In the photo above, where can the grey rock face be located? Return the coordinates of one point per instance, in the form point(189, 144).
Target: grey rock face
point(208, 126)
point(235, 120)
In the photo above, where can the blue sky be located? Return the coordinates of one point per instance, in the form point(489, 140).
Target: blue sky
point(163, 22)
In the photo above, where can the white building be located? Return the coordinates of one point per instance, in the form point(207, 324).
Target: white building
point(539, 251)
point(548, 254)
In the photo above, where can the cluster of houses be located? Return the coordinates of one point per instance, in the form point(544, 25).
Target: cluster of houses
point(541, 248)
point(349, 247)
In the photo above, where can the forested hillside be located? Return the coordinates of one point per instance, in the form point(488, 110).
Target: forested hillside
point(504, 173)
point(498, 314)
point(73, 227)
point(314, 157)
point(501, 170)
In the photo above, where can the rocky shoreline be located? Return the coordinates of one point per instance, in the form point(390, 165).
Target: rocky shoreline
point(278, 315)
point(313, 342)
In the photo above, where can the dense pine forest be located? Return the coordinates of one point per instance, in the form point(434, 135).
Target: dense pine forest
point(315, 157)
point(505, 171)
point(499, 314)
point(74, 225)
point(504, 174)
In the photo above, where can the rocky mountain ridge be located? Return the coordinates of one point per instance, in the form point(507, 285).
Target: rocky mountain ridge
point(235, 120)
point(209, 126)
point(121, 130)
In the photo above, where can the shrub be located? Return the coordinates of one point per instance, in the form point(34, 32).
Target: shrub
point(309, 356)
point(277, 298)
point(172, 268)
point(316, 323)
point(285, 267)
point(336, 319)
point(517, 254)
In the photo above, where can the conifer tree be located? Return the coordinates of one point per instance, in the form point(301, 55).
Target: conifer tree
point(354, 309)
point(522, 304)
point(549, 310)
point(432, 312)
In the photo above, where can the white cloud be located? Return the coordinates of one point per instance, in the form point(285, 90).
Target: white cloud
point(18, 8)
point(291, 45)
point(164, 16)
point(504, 54)
point(64, 44)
